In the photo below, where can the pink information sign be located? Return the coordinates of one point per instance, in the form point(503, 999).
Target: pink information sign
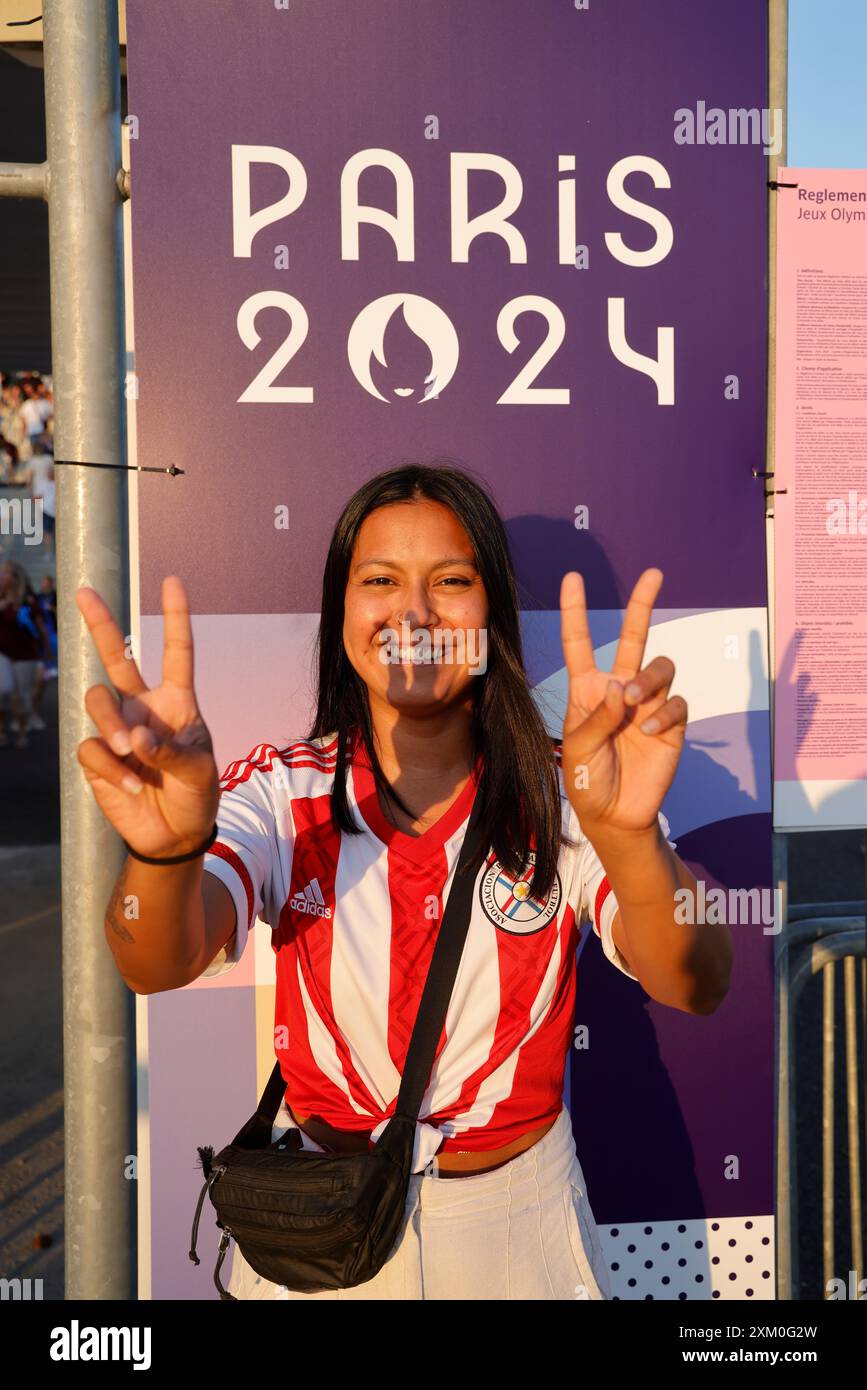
point(820, 522)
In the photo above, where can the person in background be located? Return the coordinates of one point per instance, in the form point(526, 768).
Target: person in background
point(46, 402)
point(47, 601)
point(35, 722)
point(34, 409)
point(40, 477)
point(23, 641)
point(14, 428)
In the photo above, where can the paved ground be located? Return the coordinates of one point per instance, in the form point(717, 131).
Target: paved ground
point(31, 1022)
point(30, 802)
point(828, 867)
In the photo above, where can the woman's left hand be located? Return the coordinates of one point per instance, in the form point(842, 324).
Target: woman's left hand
point(615, 771)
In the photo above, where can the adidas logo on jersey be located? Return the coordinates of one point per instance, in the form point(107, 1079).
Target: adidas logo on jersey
point(310, 900)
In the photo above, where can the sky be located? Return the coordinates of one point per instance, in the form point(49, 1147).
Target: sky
point(827, 84)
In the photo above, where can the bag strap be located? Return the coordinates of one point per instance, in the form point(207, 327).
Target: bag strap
point(441, 975)
point(434, 1000)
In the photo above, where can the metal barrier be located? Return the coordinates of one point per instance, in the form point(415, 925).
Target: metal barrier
point(815, 937)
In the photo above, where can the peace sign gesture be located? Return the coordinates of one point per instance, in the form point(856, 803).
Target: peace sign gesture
point(152, 770)
point(617, 766)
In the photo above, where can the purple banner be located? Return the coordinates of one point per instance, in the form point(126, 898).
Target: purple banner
point(501, 235)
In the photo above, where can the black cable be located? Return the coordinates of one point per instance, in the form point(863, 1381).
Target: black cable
point(127, 467)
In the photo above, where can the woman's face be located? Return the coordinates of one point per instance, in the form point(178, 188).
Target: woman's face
point(415, 560)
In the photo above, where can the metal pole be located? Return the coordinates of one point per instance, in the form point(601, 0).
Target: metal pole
point(856, 1225)
point(23, 180)
point(82, 108)
point(828, 1124)
point(785, 1192)
point(786, 1177)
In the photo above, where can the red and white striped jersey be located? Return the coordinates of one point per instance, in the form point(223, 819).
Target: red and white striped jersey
point(353, 923)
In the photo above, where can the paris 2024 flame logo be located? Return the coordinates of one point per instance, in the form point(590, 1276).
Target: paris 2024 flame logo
point(431, 327)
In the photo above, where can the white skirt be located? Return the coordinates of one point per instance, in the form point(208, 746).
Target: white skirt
point(524, 1230)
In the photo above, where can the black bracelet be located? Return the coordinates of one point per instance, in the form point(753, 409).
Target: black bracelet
point(179, 858)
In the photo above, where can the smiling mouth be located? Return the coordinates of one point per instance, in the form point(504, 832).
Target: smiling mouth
point(403, 390)
point(417, 661)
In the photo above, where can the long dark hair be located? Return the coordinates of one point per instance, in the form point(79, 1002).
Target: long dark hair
point(519, 784)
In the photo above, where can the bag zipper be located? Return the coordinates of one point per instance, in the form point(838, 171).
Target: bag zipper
point(284, 1240)
point(267, 1222)
point(313, 1183)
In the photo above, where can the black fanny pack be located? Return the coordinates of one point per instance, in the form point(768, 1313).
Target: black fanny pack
point(313, 1221)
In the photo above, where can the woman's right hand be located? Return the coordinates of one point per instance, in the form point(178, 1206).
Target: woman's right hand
point(152, 770)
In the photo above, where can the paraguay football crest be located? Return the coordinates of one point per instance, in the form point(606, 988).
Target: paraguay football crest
point(506, 900)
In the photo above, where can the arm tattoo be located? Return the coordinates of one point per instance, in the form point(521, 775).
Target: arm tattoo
point(114, 916)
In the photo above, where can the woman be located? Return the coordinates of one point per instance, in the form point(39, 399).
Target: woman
point(23, 642)
point(346, 843)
